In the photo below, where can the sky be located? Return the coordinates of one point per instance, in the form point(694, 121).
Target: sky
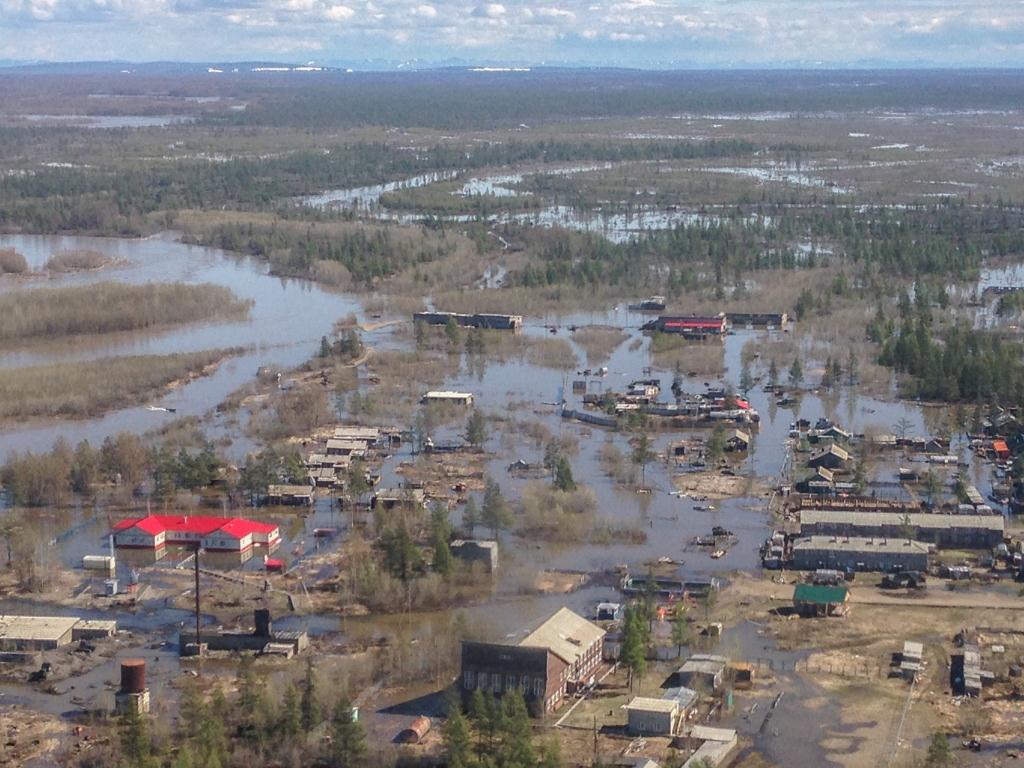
point(707, 33)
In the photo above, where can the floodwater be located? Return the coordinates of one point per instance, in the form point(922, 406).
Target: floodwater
point(614, 224)
point(107, 121)
point(368, 196)
point(287, 319)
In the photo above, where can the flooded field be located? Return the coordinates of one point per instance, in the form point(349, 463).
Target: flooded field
point(778, 211)
point(284, 327)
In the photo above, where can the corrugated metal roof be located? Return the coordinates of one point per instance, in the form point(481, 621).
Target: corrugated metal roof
point(706, 733)
point(567, 634)
point(859, 544)
point(49, 628)
point(645, 704)
point(916, 519)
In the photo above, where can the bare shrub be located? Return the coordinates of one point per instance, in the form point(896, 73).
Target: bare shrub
point(557, 515)
point(110, 307)
point(89, 388)
point(332, 273)
point(599, 342)
point(12, 262)
point(76, 260)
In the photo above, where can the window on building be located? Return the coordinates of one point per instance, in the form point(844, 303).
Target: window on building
point(496, 682)
point(538, 687)
point(510, 682)
point(469, 679)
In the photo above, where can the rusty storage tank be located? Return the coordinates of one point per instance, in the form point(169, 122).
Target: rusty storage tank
point(261, 618)
point(414, 734)
point(133, 676)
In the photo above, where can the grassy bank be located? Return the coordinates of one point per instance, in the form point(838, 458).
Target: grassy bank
point(51, 313)
point(90, 388)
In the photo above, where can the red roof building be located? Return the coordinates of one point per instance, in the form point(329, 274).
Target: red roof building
point(694, 325)
point(232, 534)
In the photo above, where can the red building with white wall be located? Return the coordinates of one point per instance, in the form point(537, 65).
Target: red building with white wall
point(227, 534)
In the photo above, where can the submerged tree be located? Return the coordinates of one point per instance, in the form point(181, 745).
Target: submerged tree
point(796, 372)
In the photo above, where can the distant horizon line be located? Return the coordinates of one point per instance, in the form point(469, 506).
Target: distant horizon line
point(391, 66)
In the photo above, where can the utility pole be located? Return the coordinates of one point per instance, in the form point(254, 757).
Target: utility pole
point(199, 645)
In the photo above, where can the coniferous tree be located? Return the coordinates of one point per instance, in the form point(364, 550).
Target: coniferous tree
point(309, 710)
point(348, 742)
point(289, 723)
point(457, 739)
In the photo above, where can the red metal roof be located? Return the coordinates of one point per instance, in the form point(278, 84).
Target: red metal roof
point(1000, 446)
point(150, 525)
point(202, 525)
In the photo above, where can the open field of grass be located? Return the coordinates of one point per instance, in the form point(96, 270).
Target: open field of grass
point(53, 313)
point(79, 390)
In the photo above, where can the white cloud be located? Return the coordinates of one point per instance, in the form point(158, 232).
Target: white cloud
point(338, 13)
point(712, 31)
point(489, 11)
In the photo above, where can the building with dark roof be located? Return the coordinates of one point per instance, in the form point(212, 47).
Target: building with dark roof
point(859, 554)
point(496, 668)
point(561, 655)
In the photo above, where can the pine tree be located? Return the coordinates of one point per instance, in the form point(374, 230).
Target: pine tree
point(642, 455)
point(213, 740)
point(552, 454)
point(476, 429)
point(290, 720)
point(551, 754)
point(480, 716)
point(443, 561)
point(250, 693)
point(451, 330)
point(348, 745)
point(680, 629)
point(495, 514)
point(470, 516)
point(773, 374)
point(135, 744)
point(516, 736)
point(563, 476)
point(308, 709)
point(184, 758)
point(633, 651)
point(193, 708)
point(939, 754)
point(456, 739)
